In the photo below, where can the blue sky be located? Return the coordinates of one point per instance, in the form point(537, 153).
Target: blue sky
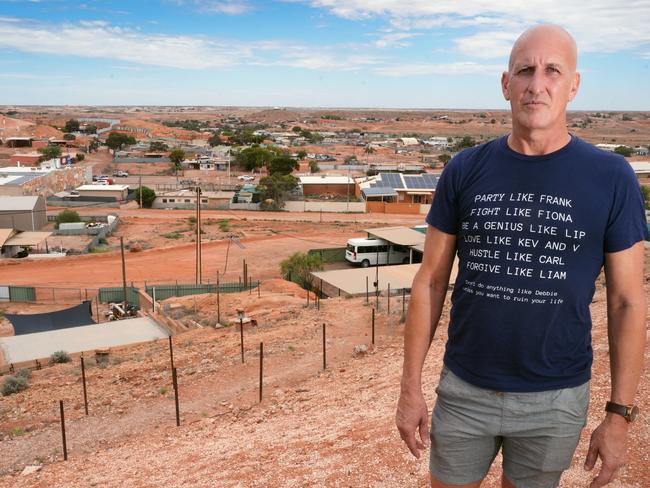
point(308, 53)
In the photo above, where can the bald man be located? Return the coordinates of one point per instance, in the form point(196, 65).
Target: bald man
point(533, 217)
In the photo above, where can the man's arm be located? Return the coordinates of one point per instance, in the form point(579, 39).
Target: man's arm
point(626, 311)
point(427, 299)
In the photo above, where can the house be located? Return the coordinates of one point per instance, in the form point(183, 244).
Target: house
point(23, 213)
point(186, 199)
point(641, 151)
point(103, 193)
point(407, 141)
point(324, 184)
point(398, 193)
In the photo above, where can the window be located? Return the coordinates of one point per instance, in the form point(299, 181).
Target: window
point(164, 200)
point(204, 200)
point(187, 200)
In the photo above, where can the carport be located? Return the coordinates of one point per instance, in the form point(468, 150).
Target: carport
point(400, 236)
point(353, 281)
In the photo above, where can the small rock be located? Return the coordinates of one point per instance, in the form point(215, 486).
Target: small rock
point(30, 470)
point(360, 350)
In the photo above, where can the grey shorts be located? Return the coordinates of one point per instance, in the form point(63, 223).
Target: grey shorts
point(538, 432)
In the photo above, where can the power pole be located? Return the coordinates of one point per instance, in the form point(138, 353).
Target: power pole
point(198, 235)
point(140, 186)
point(123, 271)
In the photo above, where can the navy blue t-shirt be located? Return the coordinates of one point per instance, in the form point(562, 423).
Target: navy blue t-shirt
point(531, 232)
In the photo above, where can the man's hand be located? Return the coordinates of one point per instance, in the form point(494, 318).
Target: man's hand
point(608, 442)
point(412, 415)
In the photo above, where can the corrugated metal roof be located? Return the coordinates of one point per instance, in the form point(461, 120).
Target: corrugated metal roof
point(28, 239)
point(103, 187)
point(5, 234)
point(17, 203)
point(402, 236)
point(379, 191)
point(326, 180)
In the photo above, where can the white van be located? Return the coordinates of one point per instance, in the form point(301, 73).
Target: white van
point(367, 252)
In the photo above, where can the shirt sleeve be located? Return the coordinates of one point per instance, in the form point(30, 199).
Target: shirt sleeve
point(444, 213)
point(627, 222)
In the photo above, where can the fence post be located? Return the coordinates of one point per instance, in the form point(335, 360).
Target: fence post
point(403, 301)
point(241, 338)
point(259, 293)
point(83, 379)
point(175, 381)
point(65, 447)
point(373, 326)
point(324, 349)
point(171, 352)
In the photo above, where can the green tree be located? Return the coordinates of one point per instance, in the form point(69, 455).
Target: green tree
point(254, 157)
point(243, 137)
point(624, 151)
point(148, 196)
point(215, 140)
point(116, 140)
point(313, 167)
point(444, 158)
point(158, 146)
point(299, 266)
point(274, 190)
point(368, 150)
point(466, 141)
point(297, 129)
point(352, 159)
point(90, 129)
point(177, 156)
point(69, 137)
point(93, 146)
point(67, 216)
point(79, 157)
point(71, 125)
point(282, 165)
point(302, 154)
point(49, 152)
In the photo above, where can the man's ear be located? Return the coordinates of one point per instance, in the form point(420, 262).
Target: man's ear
point(505, 78)
point(574, 86)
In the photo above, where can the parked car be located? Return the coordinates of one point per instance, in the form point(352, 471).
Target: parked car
point(120, 173)
point(245, 178)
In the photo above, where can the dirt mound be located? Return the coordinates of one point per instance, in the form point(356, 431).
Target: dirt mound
point(284, 286)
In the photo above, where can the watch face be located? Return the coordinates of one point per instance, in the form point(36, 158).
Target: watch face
point(633, 412)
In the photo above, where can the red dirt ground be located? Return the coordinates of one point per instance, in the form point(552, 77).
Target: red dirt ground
point(333, 428)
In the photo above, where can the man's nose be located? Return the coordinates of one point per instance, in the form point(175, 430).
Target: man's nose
point(537, 82)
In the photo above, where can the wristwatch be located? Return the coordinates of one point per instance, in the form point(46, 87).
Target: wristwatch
point(628, 412)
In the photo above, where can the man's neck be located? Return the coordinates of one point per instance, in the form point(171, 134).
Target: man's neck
point(537, 143)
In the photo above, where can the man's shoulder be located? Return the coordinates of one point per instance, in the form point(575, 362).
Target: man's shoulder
point(474, 154)
point(599, 159)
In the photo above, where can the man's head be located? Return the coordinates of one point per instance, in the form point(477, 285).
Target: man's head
point(541, 79)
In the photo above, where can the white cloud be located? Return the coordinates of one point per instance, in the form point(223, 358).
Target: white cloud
point(98, 39)
point(229, 7)
point(487, 44)
point(414, 69)
point(597, 25)
point(394, 39)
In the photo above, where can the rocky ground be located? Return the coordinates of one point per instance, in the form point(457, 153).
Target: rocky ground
point(314, 427)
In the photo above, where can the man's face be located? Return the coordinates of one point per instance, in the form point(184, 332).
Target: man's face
point(541, 81)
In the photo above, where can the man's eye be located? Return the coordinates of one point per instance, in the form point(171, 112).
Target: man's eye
point(552, 69)
point(526, 70)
